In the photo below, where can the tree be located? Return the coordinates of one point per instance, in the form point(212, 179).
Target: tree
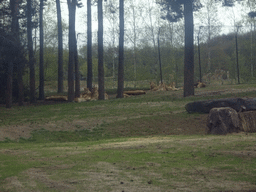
point(72, 43)
point(110, 14)
point(20, 66)
point(209, 25)
point(41, 63)
point(152, 27)
point(77, 72)
point(159, 55)
point(252, 15)
point(60, 48)
point(134, 20)
point(100, 52)
point(120, 88)
point(189, 50)
point(11, 14)
point(175, 10)
point(9, 83)
point(89, 45)
point(31, 53)
point(14, 29)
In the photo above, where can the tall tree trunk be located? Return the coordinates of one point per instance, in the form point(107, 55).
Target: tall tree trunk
point(153, 39)
point(89, 45)
point(189, 50)
point(14, 29)
point(120, 89)
point(31, 53)
point(20, 84)
point(100, 52)
point(41, 63)
point(60, 48)
point(199, 58)
point(72, 12)
point(237, 60)
point(134, 45)
point(77, 73)
point(20, 67)
point(159, 56)
point(9, 84)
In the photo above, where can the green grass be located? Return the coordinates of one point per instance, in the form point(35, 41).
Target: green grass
point(115, 107)
point(142, 143)
point(166, 164)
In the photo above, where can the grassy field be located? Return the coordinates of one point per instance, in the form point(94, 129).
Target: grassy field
point(142, 143)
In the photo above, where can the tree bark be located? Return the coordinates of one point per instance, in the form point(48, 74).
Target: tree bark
point(77, 73)
point(20, 66)
point(120, 89)
point(100, 52)
point(189, 49)
point(13, 6)
point(89, 45)
point(20, 85)
point(60, 48)
point(9, 84)
point(237, 61)
point(159, 56)
point(31, 54)
point(41, 63)
point(72, 12)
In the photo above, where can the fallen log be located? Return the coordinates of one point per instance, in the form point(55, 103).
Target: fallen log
point(57, 98)
point(238, 104)
point(135, 92)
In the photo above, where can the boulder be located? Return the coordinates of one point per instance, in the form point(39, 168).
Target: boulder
point(238, 104)
point(248, 121)
point(222, 121)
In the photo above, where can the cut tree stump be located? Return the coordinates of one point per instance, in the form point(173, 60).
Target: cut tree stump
point(238, 104)
point(222, 121)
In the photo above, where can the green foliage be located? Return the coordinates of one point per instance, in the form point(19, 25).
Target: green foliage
point(222, 56)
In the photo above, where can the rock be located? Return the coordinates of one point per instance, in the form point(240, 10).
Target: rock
point(238, 104)
point(248, 121)
point(222, 121)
